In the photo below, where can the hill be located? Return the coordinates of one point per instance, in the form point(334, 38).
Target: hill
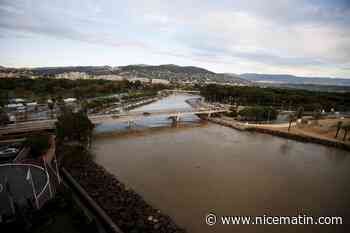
point(92, 70)
point(177, 73)
point(295, 80)
point(168, 72)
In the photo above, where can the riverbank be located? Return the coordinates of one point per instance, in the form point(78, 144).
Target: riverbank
point(126, 208)
point(281, 132)
point(143, 102)
point(230, 124)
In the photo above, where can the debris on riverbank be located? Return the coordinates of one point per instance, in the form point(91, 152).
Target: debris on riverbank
point(126, 208)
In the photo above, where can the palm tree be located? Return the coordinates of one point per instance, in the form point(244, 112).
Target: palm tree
point(51, 105)
point(345, 133)
point(300, 112)
point(25, 111)
point(316, 115)
point(339, 124)
point(346, 129)
point(291, 119)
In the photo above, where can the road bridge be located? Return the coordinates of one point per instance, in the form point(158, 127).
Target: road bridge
point(174, 91)
point(127, 117)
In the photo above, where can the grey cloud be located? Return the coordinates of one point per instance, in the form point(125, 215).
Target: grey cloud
point(158, 25)
point(63, 26)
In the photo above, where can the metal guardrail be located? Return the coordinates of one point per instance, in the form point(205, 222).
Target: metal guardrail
point(92, 204)
point(22, 154)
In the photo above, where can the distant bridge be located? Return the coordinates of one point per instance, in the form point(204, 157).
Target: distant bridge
point(181, 91)
point(129, 117)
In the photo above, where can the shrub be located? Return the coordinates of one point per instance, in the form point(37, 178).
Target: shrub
point(258, 113)
point(38, 144)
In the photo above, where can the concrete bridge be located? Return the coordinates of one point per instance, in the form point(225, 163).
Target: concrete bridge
point(128, 117)
point(174, 91)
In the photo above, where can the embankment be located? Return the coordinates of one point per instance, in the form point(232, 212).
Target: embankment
point(279, 133)
point(301, 137)
point(125, 207)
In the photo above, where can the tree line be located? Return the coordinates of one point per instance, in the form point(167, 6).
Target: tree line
point(284, 99)
point(48, 87)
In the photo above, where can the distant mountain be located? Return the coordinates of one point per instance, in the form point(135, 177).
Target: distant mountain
point(168, 72)
point(275, 79)
point(93, 70)
point(178, 73)
point(228, 77)
point(169, 68)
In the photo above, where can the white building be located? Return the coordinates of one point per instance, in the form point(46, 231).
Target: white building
point(111, 77)
point(160, 81)
point(73, 75)
point(143, 80)
point(69, 100)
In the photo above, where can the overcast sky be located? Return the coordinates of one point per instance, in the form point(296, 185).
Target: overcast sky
point(263, 36)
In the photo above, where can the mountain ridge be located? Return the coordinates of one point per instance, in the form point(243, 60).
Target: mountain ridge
point(293, 79)
point(174, 72)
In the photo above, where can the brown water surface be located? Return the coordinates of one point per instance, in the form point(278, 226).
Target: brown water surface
point(191, 171)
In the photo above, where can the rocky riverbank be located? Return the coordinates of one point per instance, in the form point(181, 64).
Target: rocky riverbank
point(126, 208)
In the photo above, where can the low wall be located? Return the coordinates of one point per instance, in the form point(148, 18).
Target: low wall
point(92, 204)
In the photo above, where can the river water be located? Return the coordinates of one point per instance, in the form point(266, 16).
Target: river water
point(192, 170)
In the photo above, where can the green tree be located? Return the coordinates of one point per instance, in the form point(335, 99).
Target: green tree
point(232, 112)
point(258, 113)
point(73, 128)
point(3, 99)
point(73, 136)
point(4, 118)
point(38, 144)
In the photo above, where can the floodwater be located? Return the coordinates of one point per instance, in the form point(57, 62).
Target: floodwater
point(188, 172)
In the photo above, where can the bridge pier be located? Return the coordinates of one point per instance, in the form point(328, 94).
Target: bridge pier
point(130, 123)
point(178, 117)
point(175, 118)
point(209, 114)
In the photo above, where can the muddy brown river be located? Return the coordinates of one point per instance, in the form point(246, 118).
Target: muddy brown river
point(190, 171)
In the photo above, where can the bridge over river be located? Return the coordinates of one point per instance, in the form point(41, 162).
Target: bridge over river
point(127, 117)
